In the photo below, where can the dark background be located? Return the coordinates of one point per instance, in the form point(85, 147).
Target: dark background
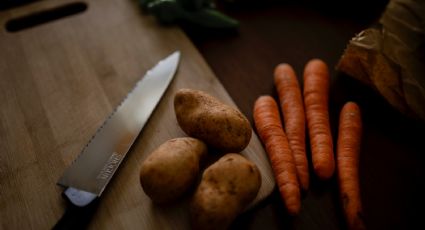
point(391, 158)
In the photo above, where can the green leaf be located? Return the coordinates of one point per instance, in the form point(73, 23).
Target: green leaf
point(194, 5)
point(166, 11)
point(144, 3)
point(196, 12)
point(210, 18)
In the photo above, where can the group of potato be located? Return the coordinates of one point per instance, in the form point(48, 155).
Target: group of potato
point(228, 185)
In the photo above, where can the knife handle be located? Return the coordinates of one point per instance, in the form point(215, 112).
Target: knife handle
point(76, 216)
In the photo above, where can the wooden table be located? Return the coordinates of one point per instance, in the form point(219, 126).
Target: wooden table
point(392, 175)
point(391, 164)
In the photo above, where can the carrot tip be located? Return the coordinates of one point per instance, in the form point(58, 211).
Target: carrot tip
point(316, 66)
point(316, 61)
point(283, 68)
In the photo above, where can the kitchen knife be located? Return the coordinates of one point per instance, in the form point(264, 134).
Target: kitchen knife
point(87, 177)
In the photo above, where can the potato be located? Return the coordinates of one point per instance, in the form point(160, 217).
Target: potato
point(226, 188)
point(220, 126)
point(172, 169)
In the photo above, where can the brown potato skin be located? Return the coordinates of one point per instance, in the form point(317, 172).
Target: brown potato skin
point(203, 116)
point(172, 169)
point(226, 189)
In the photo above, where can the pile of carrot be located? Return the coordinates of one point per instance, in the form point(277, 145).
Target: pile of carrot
point(286, 146)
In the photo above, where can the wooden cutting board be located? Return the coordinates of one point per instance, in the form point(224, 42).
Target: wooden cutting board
point(60, 81)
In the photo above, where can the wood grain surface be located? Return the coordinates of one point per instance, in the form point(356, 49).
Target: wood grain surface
point(60, 81)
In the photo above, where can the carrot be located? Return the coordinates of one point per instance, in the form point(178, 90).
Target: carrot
point(269, 127)
point(316, 93)
point(291, 104)
point(348, 149)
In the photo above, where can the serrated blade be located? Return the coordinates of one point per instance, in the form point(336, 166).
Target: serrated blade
point(97, 163)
